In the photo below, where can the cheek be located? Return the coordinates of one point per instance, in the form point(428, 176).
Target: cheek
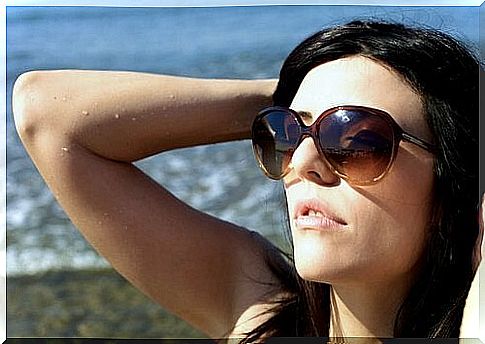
point(404, 198)
point(393, 215)
point(387, 228)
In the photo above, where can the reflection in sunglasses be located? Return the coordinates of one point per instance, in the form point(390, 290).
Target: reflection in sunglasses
point(359, 143)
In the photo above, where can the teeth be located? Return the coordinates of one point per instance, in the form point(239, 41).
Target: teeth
point(314, 213)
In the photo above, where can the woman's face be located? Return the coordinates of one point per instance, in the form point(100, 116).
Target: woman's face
point(370, 233)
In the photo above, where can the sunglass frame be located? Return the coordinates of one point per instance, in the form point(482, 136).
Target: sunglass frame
point(313, 131)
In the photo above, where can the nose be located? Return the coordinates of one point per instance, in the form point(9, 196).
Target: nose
point(309, 165)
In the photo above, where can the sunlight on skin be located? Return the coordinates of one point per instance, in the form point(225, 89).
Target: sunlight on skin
point(377, 249)
point(473, 325)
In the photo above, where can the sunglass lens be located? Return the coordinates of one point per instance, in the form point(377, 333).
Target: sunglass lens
point(275, 136)
point(359, 145)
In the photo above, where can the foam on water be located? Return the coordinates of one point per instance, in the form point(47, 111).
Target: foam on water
point(237, 42)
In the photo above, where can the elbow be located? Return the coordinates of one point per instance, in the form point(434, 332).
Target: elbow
point(27, 104)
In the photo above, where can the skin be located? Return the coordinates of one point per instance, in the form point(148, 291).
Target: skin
point(470, 326)
point(377, 252)
point(84, 130)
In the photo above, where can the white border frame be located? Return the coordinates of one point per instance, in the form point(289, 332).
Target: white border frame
point(477, 294)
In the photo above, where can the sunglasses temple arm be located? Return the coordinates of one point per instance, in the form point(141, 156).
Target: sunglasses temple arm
point(413, 139)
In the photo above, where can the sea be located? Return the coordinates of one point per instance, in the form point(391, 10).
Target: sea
point(209, 42)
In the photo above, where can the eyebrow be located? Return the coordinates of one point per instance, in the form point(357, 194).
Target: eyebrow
point(304, 114)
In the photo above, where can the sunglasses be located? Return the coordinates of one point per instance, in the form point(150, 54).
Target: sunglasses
point(358, 143)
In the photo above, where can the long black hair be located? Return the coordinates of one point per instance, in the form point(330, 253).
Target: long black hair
point(445, 74)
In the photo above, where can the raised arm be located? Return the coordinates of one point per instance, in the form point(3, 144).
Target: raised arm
point(83, 130)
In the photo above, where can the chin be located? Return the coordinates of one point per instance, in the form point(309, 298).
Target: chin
point(328, 276)
point(319, 267)
point(331, 268)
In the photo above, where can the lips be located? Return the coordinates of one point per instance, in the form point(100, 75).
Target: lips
point(314, 214)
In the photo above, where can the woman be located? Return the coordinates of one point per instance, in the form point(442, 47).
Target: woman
point(381, 191)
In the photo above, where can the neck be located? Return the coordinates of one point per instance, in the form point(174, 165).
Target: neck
point(365, 310)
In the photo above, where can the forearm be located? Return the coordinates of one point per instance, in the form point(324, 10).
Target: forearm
point(82, 130)
point(127, 116)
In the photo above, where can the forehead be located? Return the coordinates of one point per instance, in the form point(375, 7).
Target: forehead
point(361, 81)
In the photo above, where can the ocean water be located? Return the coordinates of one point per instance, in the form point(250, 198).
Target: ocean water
point(225, 42)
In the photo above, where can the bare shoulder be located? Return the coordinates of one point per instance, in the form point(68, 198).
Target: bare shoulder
point(201, 268)
point(260, 285)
